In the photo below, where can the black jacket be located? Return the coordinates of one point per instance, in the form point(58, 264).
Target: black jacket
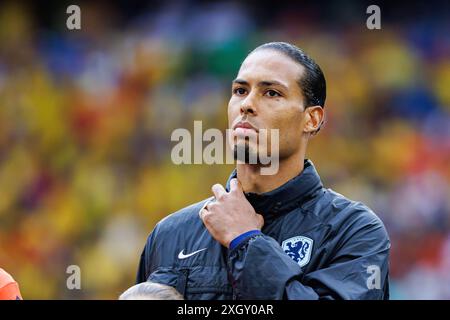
point(316, 244)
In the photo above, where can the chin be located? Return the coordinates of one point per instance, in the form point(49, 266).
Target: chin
point(245, 153)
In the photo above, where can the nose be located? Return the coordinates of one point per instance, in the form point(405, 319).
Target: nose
point(248, 106)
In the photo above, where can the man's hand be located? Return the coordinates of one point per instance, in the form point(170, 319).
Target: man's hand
point(230, 215)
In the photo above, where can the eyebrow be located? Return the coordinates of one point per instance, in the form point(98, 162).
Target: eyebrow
point(265, 83)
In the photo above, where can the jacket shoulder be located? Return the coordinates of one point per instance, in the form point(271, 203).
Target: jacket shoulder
point(344, 214)
point(355, 220)
point(182, 219)
point(177, 226)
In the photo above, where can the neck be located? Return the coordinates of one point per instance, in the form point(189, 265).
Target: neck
point(252, 181)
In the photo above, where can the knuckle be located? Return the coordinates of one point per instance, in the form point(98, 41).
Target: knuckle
point(235, 191)
point(207, 217)
point(221, 197)
point(212, 205)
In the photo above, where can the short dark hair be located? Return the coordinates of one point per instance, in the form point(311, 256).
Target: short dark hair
point(151, 291)
point(312, 82)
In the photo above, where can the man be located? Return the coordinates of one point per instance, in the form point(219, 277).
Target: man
point(280, 236)
point(9, 289)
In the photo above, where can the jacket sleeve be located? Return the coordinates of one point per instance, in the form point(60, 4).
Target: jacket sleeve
point(141, 273)
point(357, 268)
point(146, 256)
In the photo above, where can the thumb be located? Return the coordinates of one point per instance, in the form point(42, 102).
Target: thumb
point(260, 220)
point(235, 185)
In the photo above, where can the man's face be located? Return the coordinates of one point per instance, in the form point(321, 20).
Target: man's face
point(266, 95)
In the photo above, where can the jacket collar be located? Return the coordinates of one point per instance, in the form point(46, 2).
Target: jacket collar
point(283, 199)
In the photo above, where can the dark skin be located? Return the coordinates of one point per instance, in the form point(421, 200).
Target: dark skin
point(265, 94)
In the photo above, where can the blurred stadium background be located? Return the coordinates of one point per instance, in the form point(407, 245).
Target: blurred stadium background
point(86, 118)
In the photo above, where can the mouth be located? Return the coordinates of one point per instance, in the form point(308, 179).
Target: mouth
point(244, 126)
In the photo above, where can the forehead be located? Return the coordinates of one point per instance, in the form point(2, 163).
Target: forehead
point(270, 65)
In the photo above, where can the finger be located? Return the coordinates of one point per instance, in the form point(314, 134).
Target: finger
point(218, 191)
point(234, 185)
point(205, 207)
point(260, 220)
point(202, 213)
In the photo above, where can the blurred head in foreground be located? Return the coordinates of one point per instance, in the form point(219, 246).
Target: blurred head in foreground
point(151, 291)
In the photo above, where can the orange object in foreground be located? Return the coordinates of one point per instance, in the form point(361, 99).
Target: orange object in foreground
point(9, 289)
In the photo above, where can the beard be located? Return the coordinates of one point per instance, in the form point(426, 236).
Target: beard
point(245, 154)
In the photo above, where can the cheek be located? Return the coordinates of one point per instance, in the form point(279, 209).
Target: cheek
point(290, 128)
point(233, 111)
point(288, 122)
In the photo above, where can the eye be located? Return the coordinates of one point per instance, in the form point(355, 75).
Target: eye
point(272, 93)
point(239, 91)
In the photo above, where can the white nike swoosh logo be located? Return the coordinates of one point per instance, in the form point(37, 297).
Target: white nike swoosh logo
point(181, 255)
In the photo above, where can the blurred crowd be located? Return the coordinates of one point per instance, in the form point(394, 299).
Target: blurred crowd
point(86, 118)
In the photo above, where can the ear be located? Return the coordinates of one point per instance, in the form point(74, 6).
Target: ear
point(313, 119)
